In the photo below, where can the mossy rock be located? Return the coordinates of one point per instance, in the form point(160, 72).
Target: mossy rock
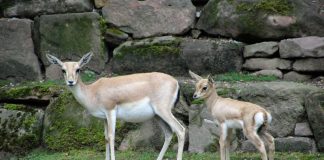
point(259, 20)
point(38, 90)
point(70, 36)
point(160, 54)
point(68, 125)
point(20, 128)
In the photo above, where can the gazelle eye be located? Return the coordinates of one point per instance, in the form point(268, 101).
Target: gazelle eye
point(78, 71)
point(63, 71)
point(205, 88)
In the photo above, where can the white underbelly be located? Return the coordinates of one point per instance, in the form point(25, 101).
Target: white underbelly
point(234, 123)
point(138, 111)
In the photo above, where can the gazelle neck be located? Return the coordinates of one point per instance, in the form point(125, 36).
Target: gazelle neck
point(211, 99)
point(80, 92)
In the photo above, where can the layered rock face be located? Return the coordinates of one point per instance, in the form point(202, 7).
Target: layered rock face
point(262, 19)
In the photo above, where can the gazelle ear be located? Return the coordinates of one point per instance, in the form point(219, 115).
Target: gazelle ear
point(54, 60)
point(85, 59)
point(195, 76)
point(210, 79)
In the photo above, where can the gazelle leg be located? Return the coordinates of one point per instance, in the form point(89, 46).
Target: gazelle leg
point(271, 145)
point(111, 119)
point(222, 141)
point(107, 141)
point(228, 143)
point(167, 136)
point(257, 142)
point(176, 127)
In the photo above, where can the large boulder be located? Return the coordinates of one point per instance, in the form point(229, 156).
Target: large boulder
point(263, 49)
point(69, 37)
point(212, 56)
point(148, 136)
point(67, 125)
point(284, 100)
point(254, 20)
point(267, 64)
point(150, 18)
point(160, 54)
point(309, 65)
point(203, 132)
point(17, 56)
point(176, 55)
point(289, 144)
point(302, 47)
point(315, 110)
point(31, 8)
point(20, 128)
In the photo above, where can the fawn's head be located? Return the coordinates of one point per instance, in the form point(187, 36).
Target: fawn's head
point(70, 70)
point(204, 86)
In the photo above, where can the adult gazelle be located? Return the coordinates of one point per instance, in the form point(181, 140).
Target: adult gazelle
point(132, 98)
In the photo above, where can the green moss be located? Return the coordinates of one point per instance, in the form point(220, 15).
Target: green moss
point(226, 92)
point(19, 132)
point(282, 7)
point(148, 50)
point(38, 89)
point(115, 31)
point(13, 106)
point(73, 36)
point(210, 14)
point(68, 131)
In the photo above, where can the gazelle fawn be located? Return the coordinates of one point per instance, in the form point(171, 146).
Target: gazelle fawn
point(132, 98)
point(230, 114)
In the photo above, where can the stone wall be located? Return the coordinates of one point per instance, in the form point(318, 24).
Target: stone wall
point(66, 29)
point(297, 59)
point(283, 38)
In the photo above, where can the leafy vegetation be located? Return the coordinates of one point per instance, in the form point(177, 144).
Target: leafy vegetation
point(149, 155)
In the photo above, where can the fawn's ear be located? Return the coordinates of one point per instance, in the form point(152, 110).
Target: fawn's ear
point(195, 76)
point(85, 59)
point(54, 60)
point(210, 79)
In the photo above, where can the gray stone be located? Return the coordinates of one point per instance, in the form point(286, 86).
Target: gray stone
point(150, 18)
point(302, 47)
point(289, 144)
point(20, 130)
point(212, 56)
point(31, 8)
point(309, 65)
point(303, 129)
point(284, 100)
point(267, 64)
point(149, 135)
point(294, 76)
point(249, 20)
point(315, 111)
point(70, 36)
point(161, 54)
point(203, 132)
point(264, 49)
point(276, 73)
point(17, 56)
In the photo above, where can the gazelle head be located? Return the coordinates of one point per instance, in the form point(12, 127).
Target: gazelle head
point(204, 86)
point(71, 70)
